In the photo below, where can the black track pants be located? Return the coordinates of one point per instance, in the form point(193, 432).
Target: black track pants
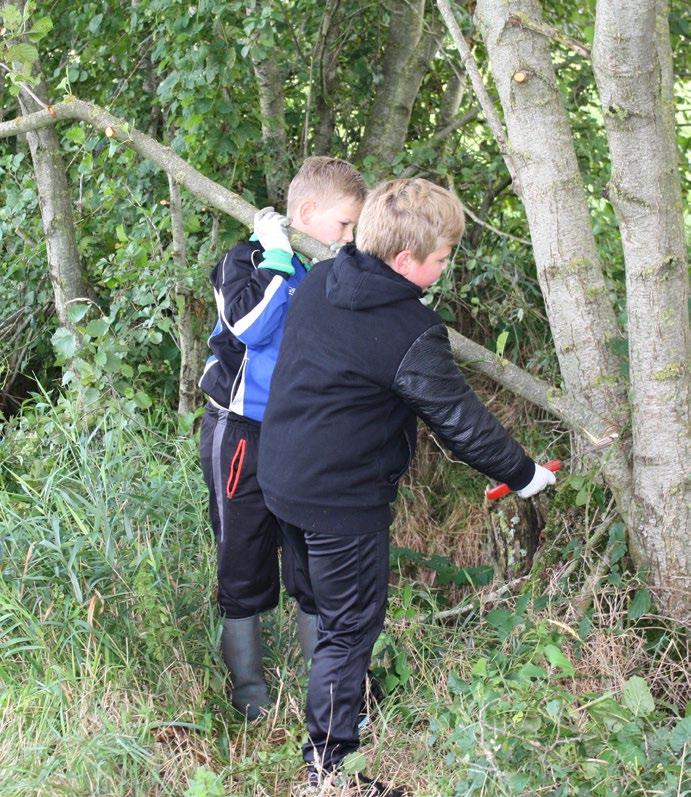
point(247, 534)
point(348, 578)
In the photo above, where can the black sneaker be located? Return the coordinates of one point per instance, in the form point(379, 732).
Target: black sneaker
point(358, 785)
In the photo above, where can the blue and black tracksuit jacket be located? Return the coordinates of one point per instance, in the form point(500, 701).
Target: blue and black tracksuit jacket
point(252, 298)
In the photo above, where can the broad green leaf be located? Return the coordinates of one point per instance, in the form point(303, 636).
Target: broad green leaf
point(97, 328)
point(11, 17)
point(121, 234)
point(142, 400)
point(480, 668)
point(65, 342)
point(681, 735)
point(42, 27)
point(557, 659)
point(77, 311)
point(22, 53)
point(636, 697)
point(76, 134)
point(640, 604)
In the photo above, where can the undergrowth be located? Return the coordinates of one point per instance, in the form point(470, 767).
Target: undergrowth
point(111, 683)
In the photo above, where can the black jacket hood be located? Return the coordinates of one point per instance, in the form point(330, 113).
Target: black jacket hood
point(358, 281)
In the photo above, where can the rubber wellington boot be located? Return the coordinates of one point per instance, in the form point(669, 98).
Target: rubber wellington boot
point(241, 647)
point(307, 634)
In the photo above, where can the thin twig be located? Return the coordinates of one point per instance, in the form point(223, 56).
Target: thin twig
point(24, 87)
point(486, 103)
point(524, 21)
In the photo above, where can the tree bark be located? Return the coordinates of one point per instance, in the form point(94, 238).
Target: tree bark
point(277, 169)
point(325, 59)
point(191, 348)
point(64, 262)
point(409, 49)
point(632, 66)
point(568, 267)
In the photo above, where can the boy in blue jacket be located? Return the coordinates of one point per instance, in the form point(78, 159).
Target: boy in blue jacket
point(254, 285)
point(361, 359)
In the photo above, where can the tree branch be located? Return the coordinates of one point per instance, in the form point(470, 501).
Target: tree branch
point(524, 21)
point(474, 356)
point(202, 187)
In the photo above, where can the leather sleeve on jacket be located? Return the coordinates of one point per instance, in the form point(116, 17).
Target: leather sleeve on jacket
point(430, 383)
point(246, 296)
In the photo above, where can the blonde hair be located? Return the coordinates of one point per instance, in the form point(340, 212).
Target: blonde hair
point(326, 180)
point(412, 214)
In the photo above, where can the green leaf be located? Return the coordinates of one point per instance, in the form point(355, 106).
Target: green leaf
point(121, 234)
point(681, 734)
point(22, 53)
point(480, 668)
point(77, 311)
point(557, 659)
point(76, 134)
point(355, 762)
point(97, 328)
point(501, 343)
point(11, 17)
point(636, 697)
point(640, 604)
point(42, 27)
point(65, 342)
point(142, 400)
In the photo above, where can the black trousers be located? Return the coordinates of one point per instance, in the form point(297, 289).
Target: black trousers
point(247, 534)
point(347, 577)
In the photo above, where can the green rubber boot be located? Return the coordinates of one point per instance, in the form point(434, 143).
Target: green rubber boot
point(241, 648)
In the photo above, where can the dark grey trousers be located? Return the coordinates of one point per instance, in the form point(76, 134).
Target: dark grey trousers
point(347, 576)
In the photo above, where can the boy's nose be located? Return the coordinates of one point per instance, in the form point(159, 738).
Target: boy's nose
point(348, 235)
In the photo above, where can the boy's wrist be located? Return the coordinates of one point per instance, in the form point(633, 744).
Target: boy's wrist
point(522, 476)
point(278, 260)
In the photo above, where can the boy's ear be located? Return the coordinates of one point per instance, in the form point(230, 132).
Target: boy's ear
point(403, 263)
point(305, 211)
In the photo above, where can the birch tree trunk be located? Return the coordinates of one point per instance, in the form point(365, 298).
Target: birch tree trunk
point(409, 49)
point(632, 65)
point(569, 271)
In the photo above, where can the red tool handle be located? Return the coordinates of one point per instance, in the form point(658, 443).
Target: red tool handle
point(493, 493)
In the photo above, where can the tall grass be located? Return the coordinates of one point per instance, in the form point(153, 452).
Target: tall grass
point(111, 684)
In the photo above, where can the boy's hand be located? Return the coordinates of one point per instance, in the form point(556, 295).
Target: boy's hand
point(270, 229)
point(540, 480)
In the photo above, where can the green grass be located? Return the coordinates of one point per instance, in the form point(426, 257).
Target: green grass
point(111, 684)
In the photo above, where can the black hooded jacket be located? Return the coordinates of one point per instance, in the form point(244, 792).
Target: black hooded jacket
point(361, 358)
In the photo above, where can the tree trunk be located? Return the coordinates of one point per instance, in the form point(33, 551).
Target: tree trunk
point(191, 347)
point(274, 137)
point(325, 61)
point(409, 49)
point(568, 267)
point(632, 65)
point(64, 263)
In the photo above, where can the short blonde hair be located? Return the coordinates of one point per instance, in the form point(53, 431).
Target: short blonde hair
point(412, 214)
point(326, 180)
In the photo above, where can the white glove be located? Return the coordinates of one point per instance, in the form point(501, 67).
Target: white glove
point(270, 229)
point(540, 480)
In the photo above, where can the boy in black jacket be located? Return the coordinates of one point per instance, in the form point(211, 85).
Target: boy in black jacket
point(360, 359)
